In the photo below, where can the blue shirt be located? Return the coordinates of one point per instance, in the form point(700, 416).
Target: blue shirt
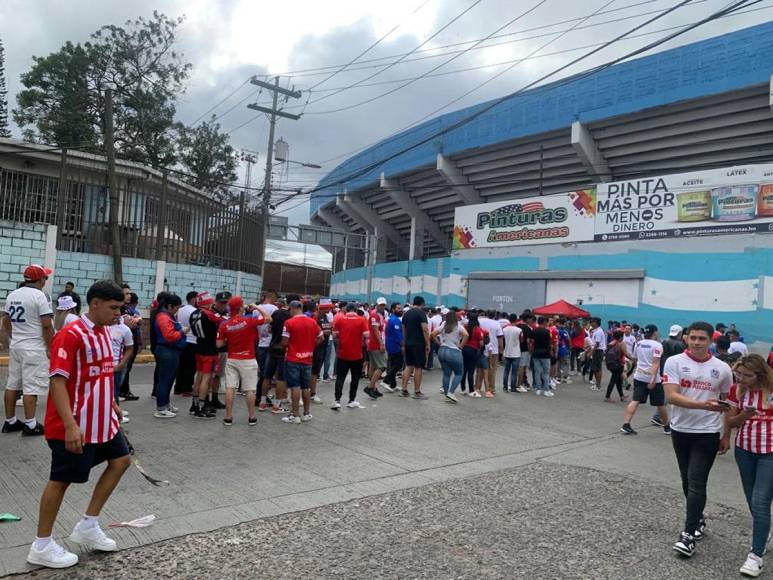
point(394, 334)
point(563, 342)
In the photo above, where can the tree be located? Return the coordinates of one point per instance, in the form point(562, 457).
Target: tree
point(62, 103)
point(4, 130)
point(207, 156)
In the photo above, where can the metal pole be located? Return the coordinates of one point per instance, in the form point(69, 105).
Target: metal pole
point(161, 225)
point(267, 183)
point(115, 232)
point(61, 202)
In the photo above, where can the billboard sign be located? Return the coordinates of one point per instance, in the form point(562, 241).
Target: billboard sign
point(567, 217)
point(734, 200)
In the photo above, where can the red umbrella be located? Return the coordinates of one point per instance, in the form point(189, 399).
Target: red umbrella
point(562, 308)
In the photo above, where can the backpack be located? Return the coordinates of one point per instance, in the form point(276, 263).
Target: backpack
point(195, 324)
point(613, 357)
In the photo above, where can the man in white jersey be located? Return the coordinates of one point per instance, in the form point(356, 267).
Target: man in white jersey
point(696, 384)
point(270, 296)
point(630, 340)
point(496, 345)
point(646, 379)
point(29, 322)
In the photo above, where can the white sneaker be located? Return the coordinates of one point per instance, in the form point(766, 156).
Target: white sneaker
point(125, 413)
point(165, 414)
point(452, 398)
point(475, 395)
point(522, 390)
point(305, 418)
point(354, 405)
point(52, 556)
point(753, 565)
point(549, 394)
point(125, 419)
point(335, 406)
point(93, 538)
point(386, 387)
point(292, 420)
point(316, 399)
point(538, 392)
point(173, 409)
point(20, 402)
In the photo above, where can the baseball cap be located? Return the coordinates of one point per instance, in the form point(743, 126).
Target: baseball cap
point(204, 299)
point(65, 303)
point(222, 297)
point(235, 303)
point(381, 300)
point(675, 330)
point(295, 304)
point(721, 326)
point(35, 272)
point(444, 311)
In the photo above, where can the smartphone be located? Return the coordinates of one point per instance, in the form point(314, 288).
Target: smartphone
point(723, 403)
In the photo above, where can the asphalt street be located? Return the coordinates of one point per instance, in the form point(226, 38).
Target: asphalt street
point(515, 487)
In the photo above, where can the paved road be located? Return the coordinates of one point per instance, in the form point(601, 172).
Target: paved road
point(518, 486)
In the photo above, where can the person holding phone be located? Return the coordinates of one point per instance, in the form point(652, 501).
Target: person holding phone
point(695, 383)
point(752, 415)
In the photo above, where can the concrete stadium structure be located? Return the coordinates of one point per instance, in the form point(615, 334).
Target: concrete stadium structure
point(704, 105)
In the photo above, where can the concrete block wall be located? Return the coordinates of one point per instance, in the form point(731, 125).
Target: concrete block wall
point(20, 245)
point(183, 278)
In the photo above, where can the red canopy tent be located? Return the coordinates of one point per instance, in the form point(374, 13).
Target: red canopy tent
point(562, 308)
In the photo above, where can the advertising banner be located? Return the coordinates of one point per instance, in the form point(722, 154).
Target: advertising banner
point(548, 219)
point(734, 200)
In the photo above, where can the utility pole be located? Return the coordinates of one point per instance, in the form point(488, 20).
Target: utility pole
point(250, 158)
point(274, 112)
point(112, 185)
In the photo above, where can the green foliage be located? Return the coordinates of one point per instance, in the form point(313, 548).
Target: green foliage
point(207, 155)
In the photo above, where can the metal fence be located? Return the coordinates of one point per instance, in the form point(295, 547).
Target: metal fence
point(159, 217)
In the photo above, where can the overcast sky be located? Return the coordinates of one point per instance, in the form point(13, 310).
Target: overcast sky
point(227, 41)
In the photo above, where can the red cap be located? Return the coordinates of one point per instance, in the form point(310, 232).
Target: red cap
point(35, 272)
point(235, 303)
point(204, 299)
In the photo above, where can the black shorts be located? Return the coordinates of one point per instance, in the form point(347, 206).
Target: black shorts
point(75, 468)
point(641, 392)
point(318, 359)
point(275, 367)
point(415, 356)
point(597, 361)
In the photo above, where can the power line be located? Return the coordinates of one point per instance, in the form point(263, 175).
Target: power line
point(223, 100)
point(727, 10)
point(399, 60)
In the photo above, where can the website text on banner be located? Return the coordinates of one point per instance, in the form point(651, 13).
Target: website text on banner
point(735, 200)
point(567, 217)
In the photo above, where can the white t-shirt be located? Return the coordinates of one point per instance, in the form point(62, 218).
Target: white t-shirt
point(645, 352)
point(120, 338)
point(70, 318)
point(630, 343)
point(512, 341)
point(25, 306)
point(700, 381)
point(494, 331)
point(503, 322)
point(265, 329)
point(738, 346)
point(599, 337)
point(184, 318)
point(435, 322)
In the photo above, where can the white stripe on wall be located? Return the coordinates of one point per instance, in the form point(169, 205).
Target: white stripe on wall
point(727, 296)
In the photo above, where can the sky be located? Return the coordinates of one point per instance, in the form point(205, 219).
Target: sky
point(229, 41)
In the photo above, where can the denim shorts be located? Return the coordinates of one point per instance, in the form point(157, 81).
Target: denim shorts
point(482, 362)
point(297, 375)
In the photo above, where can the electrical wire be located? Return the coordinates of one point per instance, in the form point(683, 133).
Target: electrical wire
point(467, 119)
point(216, 105)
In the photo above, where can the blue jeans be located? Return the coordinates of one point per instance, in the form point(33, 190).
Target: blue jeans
point(297, 375)
point(117, 382)
point(167, 360)
point(328, 359)
point(452, 362)
point(756, 472)
point(511, 370)
point(541, 373)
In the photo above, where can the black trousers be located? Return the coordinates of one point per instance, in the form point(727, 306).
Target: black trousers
point(125, 388)
point(470, 359)
point(343, 367)
point(695, 454)
point(186, 370)
point(616, 380)
point(394, 366)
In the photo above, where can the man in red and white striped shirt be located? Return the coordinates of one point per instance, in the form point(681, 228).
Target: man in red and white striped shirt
point(82, 427)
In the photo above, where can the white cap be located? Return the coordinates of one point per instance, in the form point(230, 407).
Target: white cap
point(381, 300)
point(65, 303)
point(675, 330)
point(444, 310)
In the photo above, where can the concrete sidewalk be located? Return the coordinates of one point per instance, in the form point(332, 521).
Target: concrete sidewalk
point(224, 476)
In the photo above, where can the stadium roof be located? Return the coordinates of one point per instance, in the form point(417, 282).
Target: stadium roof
point(705, 104)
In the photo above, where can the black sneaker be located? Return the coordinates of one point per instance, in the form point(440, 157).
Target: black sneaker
point(421, 396)
point(129, 396)
point(17, 426)
point(207, 408)
point(656, 421)
point(685, 545)
point(368, 391)
point(203, 413)
point(377, 392)
point(35, 431)
point(405, 393)
point(627, 429)
point(216, 404)
point(193, 409)
point(252, 421)
point(700, 530)
point(667, 429)
point(228, 422)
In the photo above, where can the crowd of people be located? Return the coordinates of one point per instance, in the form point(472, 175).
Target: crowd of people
point(702, 381)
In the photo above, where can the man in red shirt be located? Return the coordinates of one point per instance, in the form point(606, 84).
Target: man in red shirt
point(300, 336)
point(239, 334)
point(349, 331)
point(82, 428)
point(376, 348)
